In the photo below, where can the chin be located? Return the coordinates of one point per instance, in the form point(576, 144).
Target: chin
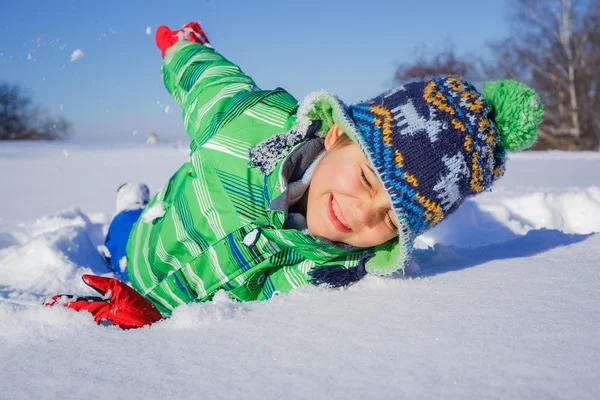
point(310, 226)
point(315, 230)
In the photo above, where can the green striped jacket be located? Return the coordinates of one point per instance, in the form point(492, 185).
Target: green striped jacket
point(210, 227)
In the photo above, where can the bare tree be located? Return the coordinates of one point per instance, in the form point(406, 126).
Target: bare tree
point(555, 49)
point(442, 63)
point(20, 119)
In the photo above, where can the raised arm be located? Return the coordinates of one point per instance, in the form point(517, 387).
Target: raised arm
point(201, 81)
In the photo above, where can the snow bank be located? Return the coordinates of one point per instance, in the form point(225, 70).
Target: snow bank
point(496, 218)
point(50, 256)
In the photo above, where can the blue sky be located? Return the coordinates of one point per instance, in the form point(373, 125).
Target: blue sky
point(348, 47)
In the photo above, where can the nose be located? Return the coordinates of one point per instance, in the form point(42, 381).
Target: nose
point(363, 212)
point(371, 210)
point(367, 213)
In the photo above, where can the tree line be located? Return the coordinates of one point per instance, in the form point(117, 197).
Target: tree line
point(554, 47)
point(21, 119)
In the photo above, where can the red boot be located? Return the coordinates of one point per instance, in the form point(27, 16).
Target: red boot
point(165, 38)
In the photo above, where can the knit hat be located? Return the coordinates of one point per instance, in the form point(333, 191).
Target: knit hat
point(433, 144)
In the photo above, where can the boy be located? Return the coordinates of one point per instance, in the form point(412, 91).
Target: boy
point(278, 194)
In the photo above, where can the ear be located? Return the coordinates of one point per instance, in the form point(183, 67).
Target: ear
point(334, 134)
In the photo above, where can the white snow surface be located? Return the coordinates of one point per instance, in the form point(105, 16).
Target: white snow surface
point(505, 303)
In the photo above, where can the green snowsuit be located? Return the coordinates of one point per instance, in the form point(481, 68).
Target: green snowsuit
point(217, 223)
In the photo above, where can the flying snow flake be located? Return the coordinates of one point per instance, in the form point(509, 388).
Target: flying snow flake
point(76, 55)
point(28, 56)
point(167, 108)
point(148, 31)
point(61, 107)
point(134, 133)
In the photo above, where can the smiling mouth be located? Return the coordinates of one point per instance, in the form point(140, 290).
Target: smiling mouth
point(337, 218)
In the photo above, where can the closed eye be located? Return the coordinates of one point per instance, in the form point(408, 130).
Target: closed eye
point(365, 181)
point(388, 219)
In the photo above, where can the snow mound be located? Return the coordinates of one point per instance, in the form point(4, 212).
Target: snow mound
point(221, 308)
point(496, 218)
point(50, 256)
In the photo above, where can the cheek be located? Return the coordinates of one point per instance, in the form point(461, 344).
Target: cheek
point(341, 179)
point(377, 236)
point(330, 177)
point(349, 182)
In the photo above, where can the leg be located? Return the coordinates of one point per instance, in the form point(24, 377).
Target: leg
point(131, 200)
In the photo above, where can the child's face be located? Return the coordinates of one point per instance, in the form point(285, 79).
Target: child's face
point(345, 184)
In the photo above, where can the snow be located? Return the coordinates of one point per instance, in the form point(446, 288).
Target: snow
point(154, 212)
point(148, 31)
point(76, 55)
point(502, 303)
point(123, 264)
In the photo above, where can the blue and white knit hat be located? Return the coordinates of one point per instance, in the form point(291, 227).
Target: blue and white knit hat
point(433, 144)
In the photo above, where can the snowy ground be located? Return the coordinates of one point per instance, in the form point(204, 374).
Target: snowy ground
point(506, 304)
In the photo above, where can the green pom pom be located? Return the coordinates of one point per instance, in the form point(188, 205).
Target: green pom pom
point(517, 112)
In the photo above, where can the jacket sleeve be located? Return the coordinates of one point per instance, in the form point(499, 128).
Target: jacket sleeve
point(283, 280)
point(203, 83)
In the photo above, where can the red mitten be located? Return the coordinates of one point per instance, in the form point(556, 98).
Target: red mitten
point(119, 304)
point(165, 38)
